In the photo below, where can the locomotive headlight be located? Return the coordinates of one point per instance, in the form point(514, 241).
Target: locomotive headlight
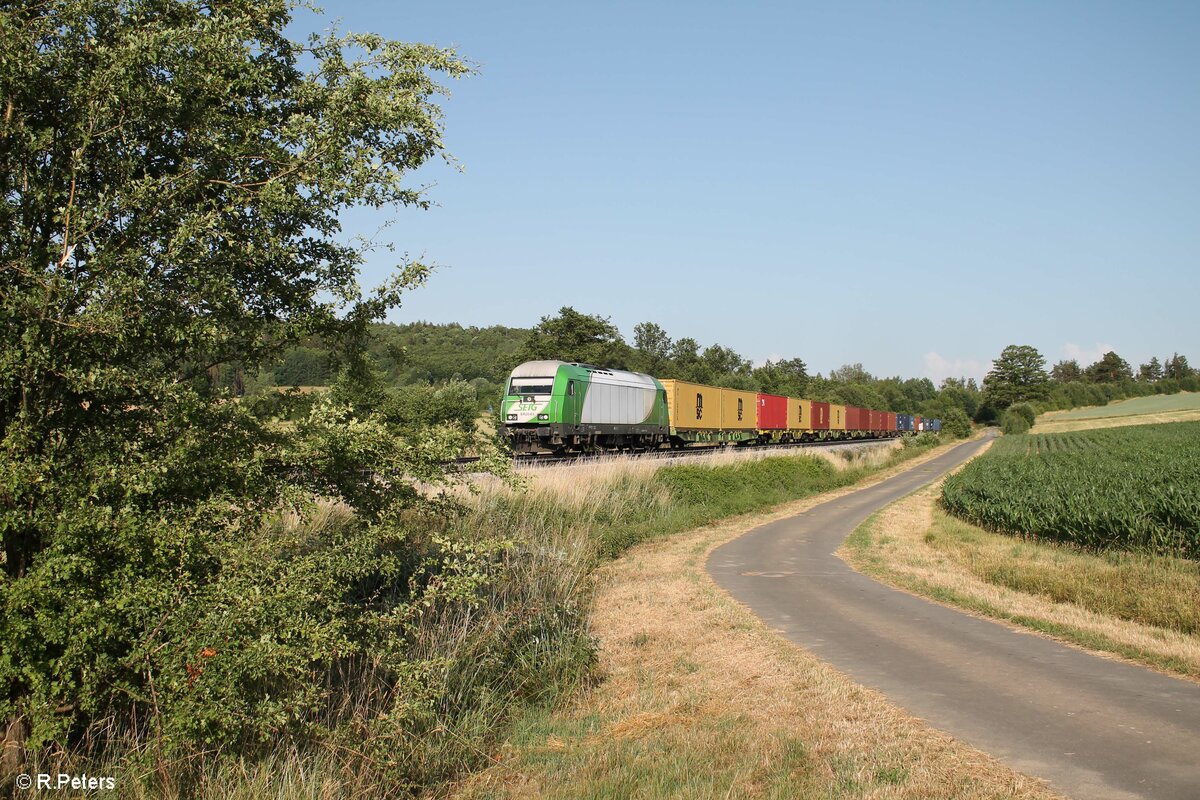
point(543, 416)
point(512, 417)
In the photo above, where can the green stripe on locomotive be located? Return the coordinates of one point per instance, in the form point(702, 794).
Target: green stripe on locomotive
point(527, 403)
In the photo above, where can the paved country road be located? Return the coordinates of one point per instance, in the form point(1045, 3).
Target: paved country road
point(1092, 727)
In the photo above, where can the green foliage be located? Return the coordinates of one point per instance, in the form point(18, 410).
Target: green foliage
point(303, 366)
point(856, 394)
point(172, 177)
point(422, 352)
point(572, 336)
point(851, 373)
point(1012, 422)
point(953, 395)
point(1177, 368)
point(1135, 488)
point(653, 347)
point(788, 377)
point(1111, 368)
point(1018, 374)
point(420, 406)
point(1025, 411)
point(955, 423)
point(1066, 371)
point(1151, 372)
point(143, 255)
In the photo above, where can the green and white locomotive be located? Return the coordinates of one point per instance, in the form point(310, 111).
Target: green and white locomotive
point(561, 407)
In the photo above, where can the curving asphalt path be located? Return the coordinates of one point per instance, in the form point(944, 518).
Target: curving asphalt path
point(1092, 727)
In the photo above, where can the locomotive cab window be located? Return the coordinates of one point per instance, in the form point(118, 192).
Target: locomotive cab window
point(524, 386)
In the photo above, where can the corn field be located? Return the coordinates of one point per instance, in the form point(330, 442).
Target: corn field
point(1133, 488)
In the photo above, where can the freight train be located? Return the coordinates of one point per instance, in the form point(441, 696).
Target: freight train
point(565, 407)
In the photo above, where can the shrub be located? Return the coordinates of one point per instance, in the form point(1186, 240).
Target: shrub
point(1013, 422)
point(955, 423)
point(1025, 410)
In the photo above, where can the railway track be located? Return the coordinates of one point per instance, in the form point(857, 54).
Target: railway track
point(550, 459)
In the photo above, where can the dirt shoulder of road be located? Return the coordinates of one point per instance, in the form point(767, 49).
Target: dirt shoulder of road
point(1086, 600)
point(700, 699)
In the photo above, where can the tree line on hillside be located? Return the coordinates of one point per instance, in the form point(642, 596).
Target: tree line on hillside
point(574, 336)
point(1018, 387)
point(423, 362)
point(426, 363)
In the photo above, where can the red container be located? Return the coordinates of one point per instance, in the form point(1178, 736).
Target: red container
point(772, 412)
point(820, 416)
point(876, 423)
point(916, 423)
point(854, 419)
point(890, 422)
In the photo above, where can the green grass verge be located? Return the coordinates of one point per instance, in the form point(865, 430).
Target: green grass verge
point(703, 494)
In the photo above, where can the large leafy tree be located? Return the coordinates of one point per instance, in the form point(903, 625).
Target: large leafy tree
point(653, 347)
point(171, 177)
point(171, 174)
point(785, 377)
point(575, 336)
point(850, 373)
point(1151, 372)
point(1177, 367)
point(1019, 374)
point(1066, 371)
point(1111, 368)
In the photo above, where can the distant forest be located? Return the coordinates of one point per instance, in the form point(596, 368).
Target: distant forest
point(424, 354)
point(411, 354)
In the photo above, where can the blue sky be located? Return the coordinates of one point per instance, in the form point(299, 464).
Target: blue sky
point(912, 186)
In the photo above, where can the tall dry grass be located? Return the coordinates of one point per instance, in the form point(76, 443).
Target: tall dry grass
point(522, 643)
point(701, 700)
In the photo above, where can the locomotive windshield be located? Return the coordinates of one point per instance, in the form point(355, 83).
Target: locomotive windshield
point(521, 386)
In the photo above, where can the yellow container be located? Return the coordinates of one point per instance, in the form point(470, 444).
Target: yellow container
point(694, 406)
point(837, 417)
point(799, 415)
point(739, 410)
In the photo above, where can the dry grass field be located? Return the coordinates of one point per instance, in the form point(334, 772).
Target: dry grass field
point(1181, 407)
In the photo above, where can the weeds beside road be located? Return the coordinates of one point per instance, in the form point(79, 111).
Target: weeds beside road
point(698, 698)
point(1141, 607)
